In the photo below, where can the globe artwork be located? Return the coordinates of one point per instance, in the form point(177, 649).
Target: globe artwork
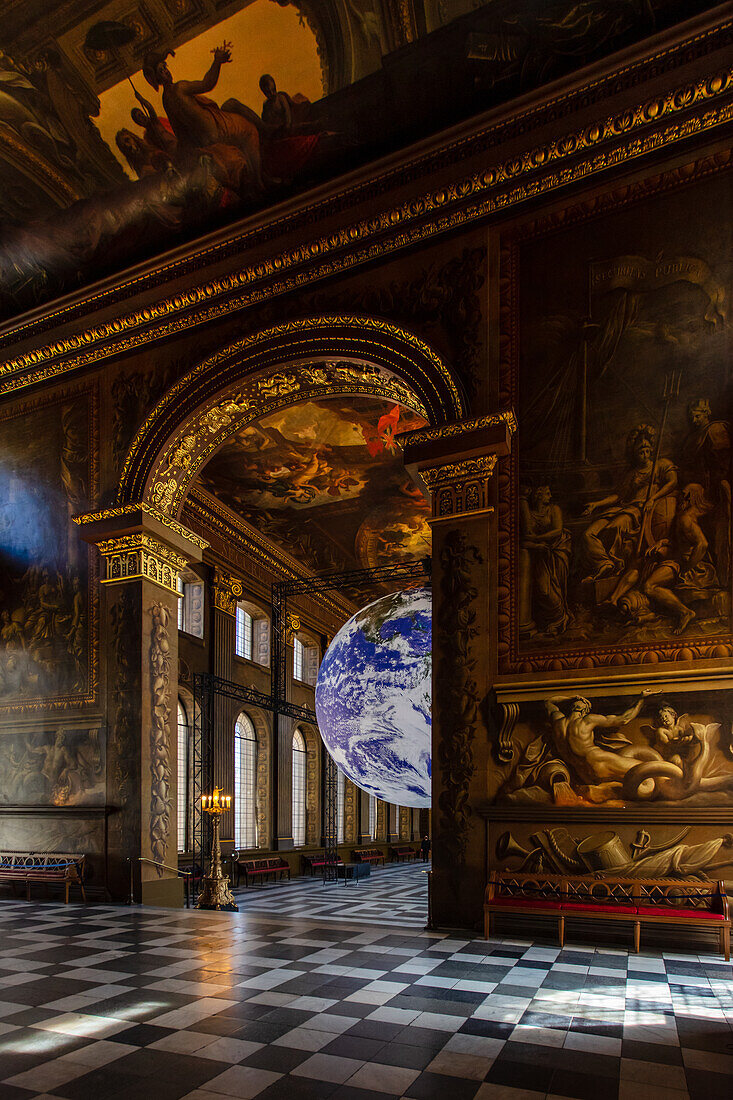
point(373, 698)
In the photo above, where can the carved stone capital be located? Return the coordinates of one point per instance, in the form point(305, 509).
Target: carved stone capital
point(141, 557)
point(225, 591)
point(138, 543)
point(454, 462)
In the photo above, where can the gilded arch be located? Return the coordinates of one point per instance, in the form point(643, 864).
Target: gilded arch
point(281, 366)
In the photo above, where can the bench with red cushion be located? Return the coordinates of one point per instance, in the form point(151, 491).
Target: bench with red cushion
point(261, 869)
point(398, 852)
point(313, 860)
point(685, 903)
point(368, 855)
point(47, 868)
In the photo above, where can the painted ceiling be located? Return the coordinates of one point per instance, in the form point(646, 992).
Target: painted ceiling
point(128, 127)
point(325, 481)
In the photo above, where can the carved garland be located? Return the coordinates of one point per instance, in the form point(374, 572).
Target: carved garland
point(458, 692)
point(482, 189)
point(125, 629)
point(161, 796)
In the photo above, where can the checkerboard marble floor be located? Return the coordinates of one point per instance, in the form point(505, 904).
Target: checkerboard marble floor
point(102, 1002)
point(394, 896)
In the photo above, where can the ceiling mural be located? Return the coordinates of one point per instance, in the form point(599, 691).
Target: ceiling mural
point(127, 128)
point(325, 481)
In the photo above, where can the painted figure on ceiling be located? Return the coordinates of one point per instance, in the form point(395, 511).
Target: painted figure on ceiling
point(229, 134)
point(706, 459)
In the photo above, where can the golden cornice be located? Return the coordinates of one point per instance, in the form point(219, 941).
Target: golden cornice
point(123, 510)
point(463, 427)
point(481, 467)
point(497, 188)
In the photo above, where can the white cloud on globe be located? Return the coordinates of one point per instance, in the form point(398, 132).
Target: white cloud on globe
point(373, 698)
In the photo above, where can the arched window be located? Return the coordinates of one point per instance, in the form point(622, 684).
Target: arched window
point(306, 659)
point(340, 805)
point(299, 760)
point(184, 762)
point(245, 783)
point(373, 817)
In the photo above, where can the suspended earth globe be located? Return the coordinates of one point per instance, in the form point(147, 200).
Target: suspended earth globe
point(373, 698)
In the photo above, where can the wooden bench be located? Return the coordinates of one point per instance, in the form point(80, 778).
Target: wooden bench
point(368, 855)
point(696, 903)
point(47, 868)
point(313, 861)
point(401, 851)
point(258, 868)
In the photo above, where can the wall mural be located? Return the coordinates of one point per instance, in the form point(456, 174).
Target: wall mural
point(622, 471)
point(574, 751)
point(129, 132)
point(325, 481)
point(61, 768)
point(47, 625)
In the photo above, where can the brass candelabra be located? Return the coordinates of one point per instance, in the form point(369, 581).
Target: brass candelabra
point(215, 892)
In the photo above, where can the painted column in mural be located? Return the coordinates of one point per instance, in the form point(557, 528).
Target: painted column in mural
point(141, 564)
point(454, 463)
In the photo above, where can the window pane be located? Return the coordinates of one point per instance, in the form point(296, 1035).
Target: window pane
point(373, 816)
point(181, 588)
point(245, 783)
point(182, 778)
point(243, 634)
point(298, 652)
point(298, 805)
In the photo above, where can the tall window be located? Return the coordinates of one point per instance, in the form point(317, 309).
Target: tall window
point(373, 816)
point(340, 805)
point(299, 755)
point(243, 633)
point(181, 589)
point(245, 783)
point(183, 773)
point(298, 659)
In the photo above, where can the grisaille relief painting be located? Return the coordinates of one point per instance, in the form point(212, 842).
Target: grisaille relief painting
point(59, 768)
point(326, 482)
point(621, 752)
point(45, 631)
point(623, 392)
point(624, 851)
point(126, 130)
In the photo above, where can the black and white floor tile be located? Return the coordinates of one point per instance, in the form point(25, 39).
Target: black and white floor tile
point(111, 1003)
point(394, 896)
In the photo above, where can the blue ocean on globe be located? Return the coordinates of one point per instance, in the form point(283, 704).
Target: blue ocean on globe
point(373, 698)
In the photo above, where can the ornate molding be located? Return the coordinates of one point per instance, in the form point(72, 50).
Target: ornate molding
point(504, 748)
point(124, 511)
point(458, 693)
point(497, 188)
point(460, 488)
point(175, 465)
point(463, 427)
point(225, 591)
point(161, 793)
point(141, 557)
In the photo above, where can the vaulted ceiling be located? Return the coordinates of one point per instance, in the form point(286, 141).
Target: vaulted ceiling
point(89, 187)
